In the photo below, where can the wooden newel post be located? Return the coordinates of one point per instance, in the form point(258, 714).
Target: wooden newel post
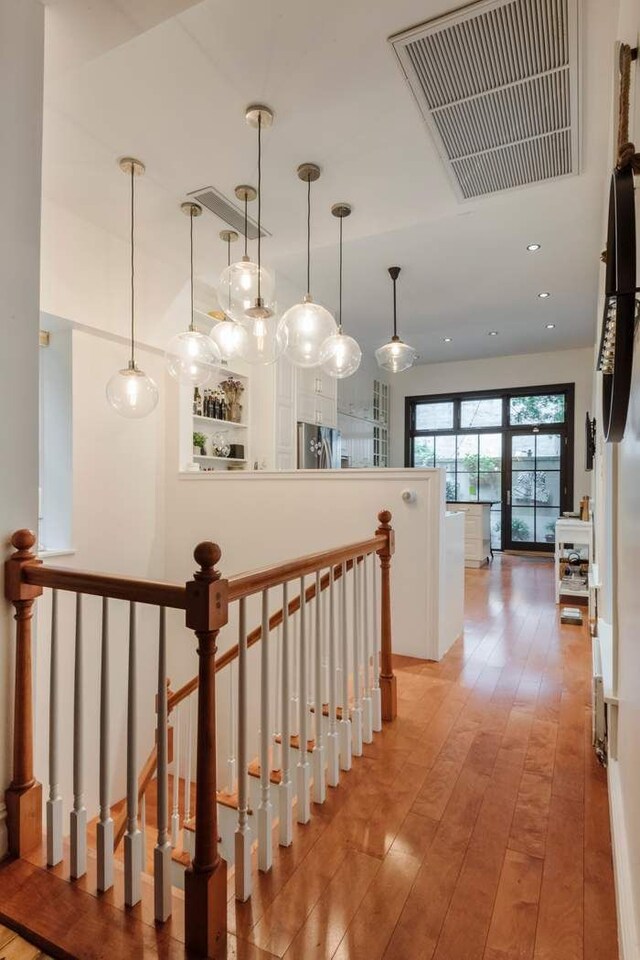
point(24, 796)
point(388, 689)
point(206, 878)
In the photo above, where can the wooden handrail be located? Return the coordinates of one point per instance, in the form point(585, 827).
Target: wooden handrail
point(246, 584)
point(275, 620)
point(154, 592)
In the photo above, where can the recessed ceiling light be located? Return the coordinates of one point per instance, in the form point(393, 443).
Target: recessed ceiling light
point(447, 339)
point(532, 247)
point(493, 333)
point(544, 295)
point(550, 326)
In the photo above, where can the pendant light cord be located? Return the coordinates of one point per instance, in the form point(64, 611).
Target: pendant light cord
point(191, 325)
point(309, 237)
point(340, 283)
point(133, 318)
point(395, 317)
point(259, 194)
point(246, 221)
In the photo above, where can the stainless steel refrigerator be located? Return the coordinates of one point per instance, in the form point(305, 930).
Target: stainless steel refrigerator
point(318, 447)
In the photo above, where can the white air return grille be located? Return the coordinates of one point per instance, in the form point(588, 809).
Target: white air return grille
point(497, 85)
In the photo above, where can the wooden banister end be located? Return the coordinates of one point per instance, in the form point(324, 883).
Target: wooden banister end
point(23, 541)
point(207, 555)
point(386, 530)
point(384, 519)
point(15, 588)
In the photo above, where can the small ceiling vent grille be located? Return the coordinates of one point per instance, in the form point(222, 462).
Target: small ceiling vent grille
point(231, 214)
point(497, 83)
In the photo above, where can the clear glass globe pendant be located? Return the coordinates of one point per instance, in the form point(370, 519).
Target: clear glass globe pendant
point(238, 288)
point(395, 356)
point(130, 392)
point(229, 337)
point(340, 355)
point(306, 326)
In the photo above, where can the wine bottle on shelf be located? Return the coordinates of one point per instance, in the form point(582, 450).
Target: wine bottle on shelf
point(197, 403)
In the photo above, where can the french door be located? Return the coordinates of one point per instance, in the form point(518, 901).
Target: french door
point(536, 487)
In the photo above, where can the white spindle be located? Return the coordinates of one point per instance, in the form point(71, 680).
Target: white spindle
point(333, 750)
point(319, 784)
point(367, 703)
point(175, 811)
point(188, 758)
point(265, 810)
point(243, 831)
point(285, 791)
point(277, 671)
point(54, 803)
point(345, 722)
point(79, 812)
point(294, 713)
point(356, 715)
point(133, 837)
point(143, 819)
point(376, 693)
point(162, 851)
point(231, 758)
point(303, 770)
point(104, 830)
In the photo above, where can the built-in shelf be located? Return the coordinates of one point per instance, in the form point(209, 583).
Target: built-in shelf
point(220, 423)
point(199, 456)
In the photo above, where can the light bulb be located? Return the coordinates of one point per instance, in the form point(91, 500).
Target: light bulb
point(264, 339)
point(132, 393)
point(340, 356)
point(395, 356)
point(190, 357)
point(230, 338)
point(306, 326)
point(238, 288)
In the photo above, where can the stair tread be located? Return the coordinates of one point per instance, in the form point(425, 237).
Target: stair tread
point(294, 741)
point(325, 711)
point(275, 776)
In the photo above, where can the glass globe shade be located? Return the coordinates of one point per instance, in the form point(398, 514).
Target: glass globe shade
point(238, 288)
point(265, 340)
point(132, 393)
point(340, 356)
point(307, 325)
point(190, 356)
point(395, 356)
point(230, 338)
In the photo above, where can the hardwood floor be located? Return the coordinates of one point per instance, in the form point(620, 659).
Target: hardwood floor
point(475, 827)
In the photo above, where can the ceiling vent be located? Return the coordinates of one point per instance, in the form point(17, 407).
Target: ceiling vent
point(497, 83)
point(231, 214)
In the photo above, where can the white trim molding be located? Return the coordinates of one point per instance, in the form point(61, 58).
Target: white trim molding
point(629, 942)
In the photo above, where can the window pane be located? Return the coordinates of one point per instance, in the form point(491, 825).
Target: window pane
point(496, 526)
point(490, 486)
point(545, 408)
point(467, 486)
point(547, 488)
point(490, 452)
point(548, 450)
point(522, 520)
point(523, 487)
point(481, 413)
point(451, 491)
point(434, 416)
point(467, 451)
point(546, 524)
point(423, 452)
point(523, 453)
point(446, 453)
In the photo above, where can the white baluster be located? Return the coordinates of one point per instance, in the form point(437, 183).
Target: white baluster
point(367, 703)
point(175, 812)
point(319, 785)
point(265, 810)
point(285, 790)
point(275, 745)
point(243, 831)
point(303, 769)
point(356, 715)
point(143, 821)
point(188, 758)
point(79, 812)
point(294, 713)
point(375, 693)
point(54, 803)
point(162, 851)
point(231, 759)
point(133, 836)
point(333, 748)
point(104, 830)
point(345, 723)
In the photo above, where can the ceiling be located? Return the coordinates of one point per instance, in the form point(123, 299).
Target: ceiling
point(168, 81)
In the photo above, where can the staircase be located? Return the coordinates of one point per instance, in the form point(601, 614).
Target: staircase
point(323, 679)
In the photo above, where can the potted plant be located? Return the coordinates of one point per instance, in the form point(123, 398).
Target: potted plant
point(199, 444)
point(233, 390)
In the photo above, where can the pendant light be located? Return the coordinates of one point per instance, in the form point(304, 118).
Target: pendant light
point(264, 342)
point(307, 325)
point(229, 337)
point(395, 355)
point(131, 392)
point(340, 354)
point(238, 285)
point(190, 355)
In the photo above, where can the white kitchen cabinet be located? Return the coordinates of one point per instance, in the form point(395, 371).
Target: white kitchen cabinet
point(317, 397)
point(477, 532)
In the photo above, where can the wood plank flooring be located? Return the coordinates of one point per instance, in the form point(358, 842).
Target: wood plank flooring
point(475, 827)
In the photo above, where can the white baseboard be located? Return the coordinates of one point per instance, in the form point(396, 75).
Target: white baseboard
point(627, 921)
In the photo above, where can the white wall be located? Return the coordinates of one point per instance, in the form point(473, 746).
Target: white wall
point(21, 61)
point(528, 370)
